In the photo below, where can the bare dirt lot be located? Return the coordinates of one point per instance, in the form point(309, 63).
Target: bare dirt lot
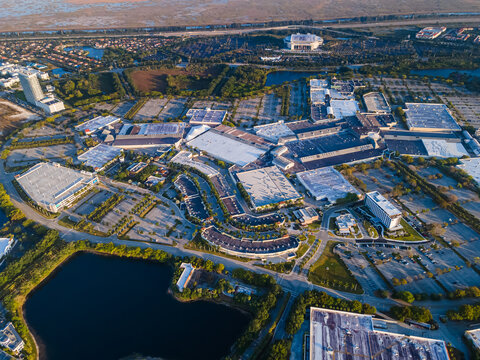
point(12, 115)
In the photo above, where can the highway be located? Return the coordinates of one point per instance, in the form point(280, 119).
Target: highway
point(246, 30)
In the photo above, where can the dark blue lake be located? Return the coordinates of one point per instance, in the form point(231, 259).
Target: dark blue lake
point(99, 307)
point(60, 72)
point(92, 52)
point(444, 72)
point(279, 77)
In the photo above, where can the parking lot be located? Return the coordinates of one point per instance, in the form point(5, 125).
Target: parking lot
point(467, 105)
point(92, 202)
point(173, 109)
point(298, 100)
point(404, 269)
point(120, 210)
point(458, 276)
point(366, 275)
point(21, 157)
point(123, 108)
point(150, 109)
point(270, 109)
point(247, 111)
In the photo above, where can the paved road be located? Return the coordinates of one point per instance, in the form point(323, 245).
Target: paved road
point(292, 282)
point(344, 25)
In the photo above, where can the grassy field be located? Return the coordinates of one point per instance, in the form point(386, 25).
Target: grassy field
point(330, 271)
point(412, 234)
point(302, 250)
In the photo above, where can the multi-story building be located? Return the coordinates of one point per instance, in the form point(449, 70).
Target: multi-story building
point(34, 94)
point(384, 210)
point(31, 87)
point(299, 41)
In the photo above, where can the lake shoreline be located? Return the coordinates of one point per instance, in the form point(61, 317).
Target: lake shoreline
point(35, 339)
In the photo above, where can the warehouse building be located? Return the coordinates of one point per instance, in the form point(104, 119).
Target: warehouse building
point(100, 156)
point(236, 147)
point(267, 186)
point(97, 123)
point(303, 42)
point(326, 184)
point(375, 102)
point(55, 187)
point(206, 116)
point(161, 135)
point(384, 210)
point(342, 335)
point(430, 117)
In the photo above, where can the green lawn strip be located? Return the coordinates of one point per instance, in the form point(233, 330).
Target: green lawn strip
point(330, 271)
point(302, 250)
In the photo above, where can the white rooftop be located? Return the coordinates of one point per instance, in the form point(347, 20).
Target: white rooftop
point(430, 116)
point(344, 108)
point(195, 131)
point(99, 155)
point(186, 158)
point(274, 131)
point(97, 123)
point(326, 183)
point(50, 183)
point(267, 186)
point(226, 148)
point(443, 148)
point(386, 205)
point(185, 276)
point(472, 167)
point(206, 116)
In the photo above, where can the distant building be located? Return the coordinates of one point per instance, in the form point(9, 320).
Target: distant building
point(135, 168)
point(343, 335)
point(376, 102)
point(430, 33)
point(384, 210)
point(303, 42)
point(326, 184)
point(306, 215)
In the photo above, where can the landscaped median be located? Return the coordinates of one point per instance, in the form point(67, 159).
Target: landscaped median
point(330, 271)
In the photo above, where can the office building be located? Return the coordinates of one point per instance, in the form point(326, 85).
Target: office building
point(34, 94)
point(384, 210)
point(31, 87)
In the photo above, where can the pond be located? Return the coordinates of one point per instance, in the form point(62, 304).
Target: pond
point(279, 77)
point(105, 307)
point(444, 72)
point(60, 72)
point(92, 52)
